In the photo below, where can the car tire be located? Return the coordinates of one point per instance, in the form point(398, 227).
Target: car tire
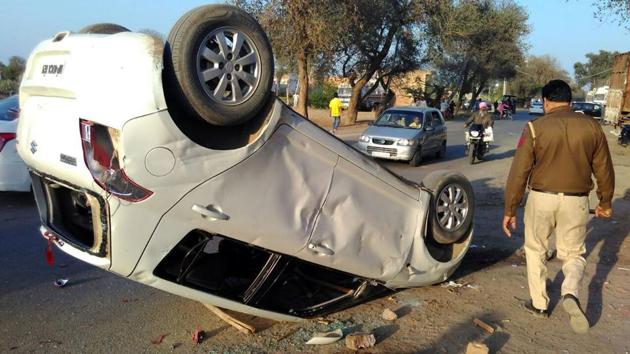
point(442, 152)
point(452, 206)
point(103, 28)
point(218, 65)
point(416, 159)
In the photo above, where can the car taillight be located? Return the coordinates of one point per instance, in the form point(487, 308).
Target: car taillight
point(5, 138)
point(100, 152)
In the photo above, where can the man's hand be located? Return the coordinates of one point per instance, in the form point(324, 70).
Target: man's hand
point(603, 212)
point(509, 221)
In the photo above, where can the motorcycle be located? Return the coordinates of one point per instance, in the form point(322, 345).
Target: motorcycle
point(478, 142)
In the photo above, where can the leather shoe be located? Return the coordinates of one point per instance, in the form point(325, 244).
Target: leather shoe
point(534, 311)
point(578, 320)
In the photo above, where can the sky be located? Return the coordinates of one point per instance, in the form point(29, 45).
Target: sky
point(564, 29)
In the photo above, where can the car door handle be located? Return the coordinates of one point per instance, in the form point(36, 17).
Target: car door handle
point(210, 212)
point(320, 249)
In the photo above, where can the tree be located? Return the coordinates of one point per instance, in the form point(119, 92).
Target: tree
point(535, 73)
point(476, 42)
point(617, 10)
point(381, 39)
point(596, 71)
point(14, 70)
point(300, 31)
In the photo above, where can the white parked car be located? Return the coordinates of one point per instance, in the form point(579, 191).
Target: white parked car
point(200, 183)
point(13, 172)
point(536, 107)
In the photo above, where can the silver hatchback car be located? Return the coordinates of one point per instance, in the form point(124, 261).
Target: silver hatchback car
point(407, 134)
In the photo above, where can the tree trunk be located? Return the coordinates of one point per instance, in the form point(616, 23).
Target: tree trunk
point(477, 92)
point(355, 100)
point(302, 107)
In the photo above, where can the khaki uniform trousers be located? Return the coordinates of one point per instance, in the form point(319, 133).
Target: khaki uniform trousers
point(566, 216)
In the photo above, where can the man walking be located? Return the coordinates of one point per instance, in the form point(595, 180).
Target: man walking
point(335, 112)
point(556, 156)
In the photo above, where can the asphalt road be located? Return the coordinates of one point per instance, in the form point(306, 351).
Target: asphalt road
point(100, 312)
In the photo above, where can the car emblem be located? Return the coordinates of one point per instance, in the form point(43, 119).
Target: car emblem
point(33, 146)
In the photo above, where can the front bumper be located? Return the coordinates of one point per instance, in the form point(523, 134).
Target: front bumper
point(389, 152)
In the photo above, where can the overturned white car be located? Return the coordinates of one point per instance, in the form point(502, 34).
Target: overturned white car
point(173, 165)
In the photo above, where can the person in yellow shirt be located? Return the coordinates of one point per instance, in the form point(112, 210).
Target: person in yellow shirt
point(335, 112)
point(416, 124)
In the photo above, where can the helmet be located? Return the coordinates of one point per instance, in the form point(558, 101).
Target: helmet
point(483, 105)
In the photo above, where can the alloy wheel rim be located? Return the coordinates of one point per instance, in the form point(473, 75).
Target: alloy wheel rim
point(228, 66)
point(452, 207)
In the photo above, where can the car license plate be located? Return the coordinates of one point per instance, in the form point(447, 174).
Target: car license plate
point(380, 154)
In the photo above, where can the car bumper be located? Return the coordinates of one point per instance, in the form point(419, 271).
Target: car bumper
point(536, 111)
point(388, 152)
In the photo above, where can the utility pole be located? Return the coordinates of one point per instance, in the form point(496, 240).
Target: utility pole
point(504, 86)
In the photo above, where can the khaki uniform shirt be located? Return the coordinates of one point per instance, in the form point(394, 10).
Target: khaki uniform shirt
point(568, 148)
point(484, 118)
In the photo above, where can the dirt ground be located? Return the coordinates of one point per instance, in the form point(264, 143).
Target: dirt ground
point(490, 285)
point(101, 312)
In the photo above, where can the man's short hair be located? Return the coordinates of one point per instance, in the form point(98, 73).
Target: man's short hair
point(335, 95)
point(557, 91)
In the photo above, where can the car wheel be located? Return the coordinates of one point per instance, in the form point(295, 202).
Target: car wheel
point(442, 152)
point(104, 28)
point(452, 206)
point(416, 159)
point(218, 65)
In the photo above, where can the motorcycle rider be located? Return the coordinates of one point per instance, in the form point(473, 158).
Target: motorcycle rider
point(479, 117)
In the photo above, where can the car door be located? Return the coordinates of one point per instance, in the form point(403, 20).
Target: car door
point(365, 227)
point(271, 199)
point(440, 129)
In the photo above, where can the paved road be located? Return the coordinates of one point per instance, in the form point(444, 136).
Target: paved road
point(100, 312)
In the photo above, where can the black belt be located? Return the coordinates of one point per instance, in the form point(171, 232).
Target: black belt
point(563, 193)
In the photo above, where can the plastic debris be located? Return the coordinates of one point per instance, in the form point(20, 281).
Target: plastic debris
point(326, 338)
point(622, 268)
point(61, 282)
point(198, 336)
point(389, 315)
point(452, 284)
point(356, 341)
point(159, 339)
point(472, 246)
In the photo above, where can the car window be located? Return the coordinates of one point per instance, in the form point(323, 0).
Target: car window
point(399, 119)
point(437, 121)
point(9, 108)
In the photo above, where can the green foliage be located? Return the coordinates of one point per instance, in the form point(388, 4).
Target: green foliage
point(476, 42)
point(8, 87)
point(596, 71)
point(613, 11)
point(13, 71)
point(534, 73)
point(320, 96)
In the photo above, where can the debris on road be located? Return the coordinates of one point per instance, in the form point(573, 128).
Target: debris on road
point(158, 340)
point(61, 282)
point(452, 284)
point(198, 336)
point(477, 348)
point(240, 326)
point(356, 341)
point(326, 338)
point(622, 268)
point(389, 315)
point(486, 327)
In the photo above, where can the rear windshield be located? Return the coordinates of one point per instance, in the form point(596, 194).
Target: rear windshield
point(9, 108)
point(400, 119)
